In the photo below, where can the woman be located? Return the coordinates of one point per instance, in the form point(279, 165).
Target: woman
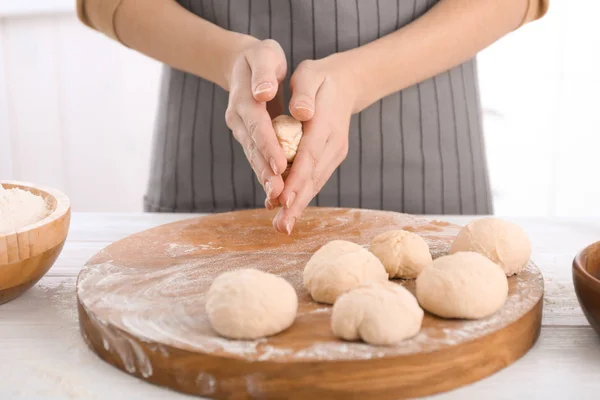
point(389, 86)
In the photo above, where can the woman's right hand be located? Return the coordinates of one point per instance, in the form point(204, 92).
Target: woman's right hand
point(254, 82)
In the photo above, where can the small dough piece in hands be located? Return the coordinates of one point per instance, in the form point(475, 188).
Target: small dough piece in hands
point(503, 242)
point(463, 285)
point(403, 254)
point(289, 134)
point(338, 267)
point(380, 313)
point(249, 304)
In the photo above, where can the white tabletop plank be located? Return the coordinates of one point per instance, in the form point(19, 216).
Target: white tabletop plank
point(41, 346)
point(43, 357)
point(109, 227)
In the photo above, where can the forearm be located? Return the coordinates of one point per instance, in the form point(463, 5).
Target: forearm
point(167, 32)
point(452, 32)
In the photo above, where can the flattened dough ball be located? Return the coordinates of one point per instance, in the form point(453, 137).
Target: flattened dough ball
point(463, 285)
point(249, 304)
point(403, 254)
point(503, 242)
point(380, 313)
point(338, 267)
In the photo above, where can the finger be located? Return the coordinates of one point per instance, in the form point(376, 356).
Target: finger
point(276, 186)
point(286, 218)
point(268, 65)
point(304, 84)
point(260, 128)
point(271, 204)
point(302, 173)
point(256, 120)
point(272, 184)
point(240, 134)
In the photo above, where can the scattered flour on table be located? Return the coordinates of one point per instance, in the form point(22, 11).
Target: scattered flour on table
point(19, 208)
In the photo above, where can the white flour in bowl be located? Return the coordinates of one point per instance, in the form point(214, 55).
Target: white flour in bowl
point(19, 208)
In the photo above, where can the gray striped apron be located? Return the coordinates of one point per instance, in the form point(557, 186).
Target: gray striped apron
point(418, 151)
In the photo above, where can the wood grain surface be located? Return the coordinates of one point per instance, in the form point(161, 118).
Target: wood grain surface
point(141, 308)
point(27, 254)
point(41, 343)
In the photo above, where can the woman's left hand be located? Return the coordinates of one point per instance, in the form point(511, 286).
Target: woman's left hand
point(323, 96)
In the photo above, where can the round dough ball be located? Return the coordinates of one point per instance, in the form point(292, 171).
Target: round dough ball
point(403, 254)
point(249, 304)
point(289, 133)
point(380, 313)
point(503, 242)
point(463, 285)
point(338, 267)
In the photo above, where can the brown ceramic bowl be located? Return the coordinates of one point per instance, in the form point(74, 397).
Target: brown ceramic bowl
point(27, 254)
point(586, 279)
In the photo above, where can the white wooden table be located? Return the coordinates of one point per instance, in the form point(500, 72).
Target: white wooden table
point(43, 357)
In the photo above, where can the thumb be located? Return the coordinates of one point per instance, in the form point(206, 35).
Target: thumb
point(304, 84)
point(268, 65)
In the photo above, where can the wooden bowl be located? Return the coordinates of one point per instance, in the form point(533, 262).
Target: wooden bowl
point(27, 254)
point(586, 279)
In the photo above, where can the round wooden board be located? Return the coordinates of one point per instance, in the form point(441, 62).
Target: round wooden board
point(141, 308)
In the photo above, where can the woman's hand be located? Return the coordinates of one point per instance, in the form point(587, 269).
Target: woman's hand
point(323, 96)
point(254, 82)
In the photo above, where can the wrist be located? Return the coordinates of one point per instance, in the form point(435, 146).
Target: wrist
point(340, 67)
point(353, 74)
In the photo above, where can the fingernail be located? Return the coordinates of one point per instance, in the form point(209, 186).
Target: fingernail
point(268, 188)
point(273, 166)
point(290, 200)
point(290, 225)
point(301, 106)
point(263, 87)
point(276, 221)
point(269, 205)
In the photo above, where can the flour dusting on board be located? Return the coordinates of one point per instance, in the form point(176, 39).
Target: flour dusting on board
point(178, 250)
point(159, 296)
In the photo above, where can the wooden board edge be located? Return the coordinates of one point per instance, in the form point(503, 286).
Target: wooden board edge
point(386, 378)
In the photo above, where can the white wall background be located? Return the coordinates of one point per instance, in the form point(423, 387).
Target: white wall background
point(69, 118)
point(76, 109)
